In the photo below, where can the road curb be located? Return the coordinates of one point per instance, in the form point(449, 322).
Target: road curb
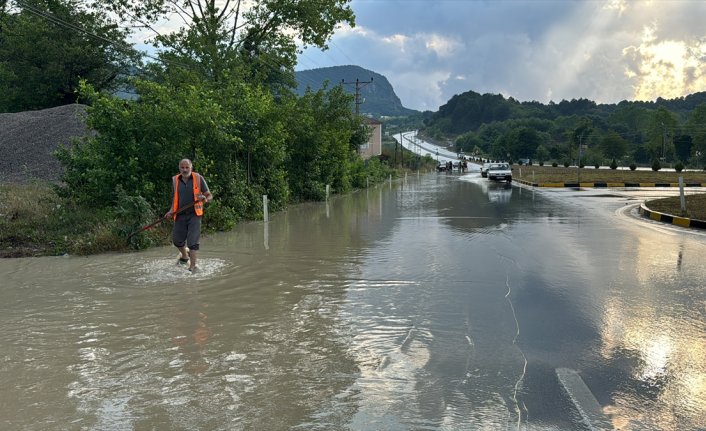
point(667, 218)
point(644, 211)
point(603, 184)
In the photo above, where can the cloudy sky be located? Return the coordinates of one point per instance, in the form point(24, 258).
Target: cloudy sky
point(603, 50)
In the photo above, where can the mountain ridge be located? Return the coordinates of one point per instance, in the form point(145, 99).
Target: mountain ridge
point(379, 97)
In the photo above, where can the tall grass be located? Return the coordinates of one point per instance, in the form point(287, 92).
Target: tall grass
point(35, 221)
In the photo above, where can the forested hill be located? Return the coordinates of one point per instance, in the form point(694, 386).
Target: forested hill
point(468, 111)
point(379, 98)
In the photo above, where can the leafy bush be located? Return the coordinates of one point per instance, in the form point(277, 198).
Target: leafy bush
point(633, 166)
point(566, 163)
point(219, 217)
point(371, 170)
point(613, 164)
point(656, 165)
point(596, 165)
point(234, 134)
point(131, 213)
point(555, 164)
point(541, 163)
point(679, 167)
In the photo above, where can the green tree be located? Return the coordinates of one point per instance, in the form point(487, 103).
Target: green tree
point(254, 41)
point(542, 154)
point(322, 143)
point(682, 147)
point(696, 128)
point(47, 46)
point(468, 142)
point(526, 143)
point(661, 128)
point(579, 137)
point(613, 146)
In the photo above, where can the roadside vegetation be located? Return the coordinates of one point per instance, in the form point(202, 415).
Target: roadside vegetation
point(219, 91)
point(35, 221)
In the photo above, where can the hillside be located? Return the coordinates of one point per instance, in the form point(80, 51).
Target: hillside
point(466, 112)
point(379, 98)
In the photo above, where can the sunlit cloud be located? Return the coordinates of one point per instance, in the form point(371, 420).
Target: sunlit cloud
point(619, 5)
point(396, 40)
point(441, 46)
point(344, 30)
point(666, 68)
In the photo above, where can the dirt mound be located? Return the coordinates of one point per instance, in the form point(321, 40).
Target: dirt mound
point(29, 139)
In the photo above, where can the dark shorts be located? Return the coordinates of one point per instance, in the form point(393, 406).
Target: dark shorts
point(187, 231)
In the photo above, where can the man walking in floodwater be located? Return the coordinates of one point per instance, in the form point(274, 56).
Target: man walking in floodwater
point(190, 193)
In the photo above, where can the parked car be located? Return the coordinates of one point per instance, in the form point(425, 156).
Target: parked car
point(500, 172)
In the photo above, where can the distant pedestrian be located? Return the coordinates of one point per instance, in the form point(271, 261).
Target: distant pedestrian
point(189, 190)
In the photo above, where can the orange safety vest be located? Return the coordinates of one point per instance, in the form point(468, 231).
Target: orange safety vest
point(196, 181)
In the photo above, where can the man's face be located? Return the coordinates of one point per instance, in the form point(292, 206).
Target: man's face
point(185, 169)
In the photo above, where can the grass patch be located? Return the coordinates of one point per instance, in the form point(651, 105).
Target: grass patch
point(550, 174)
point(695, 206)
point(34, 221)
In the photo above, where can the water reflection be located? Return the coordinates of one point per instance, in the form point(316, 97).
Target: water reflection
point(664, 335)
point(500, 193)
point(440, 302)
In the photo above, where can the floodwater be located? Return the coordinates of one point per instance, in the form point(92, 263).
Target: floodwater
point(438, 302)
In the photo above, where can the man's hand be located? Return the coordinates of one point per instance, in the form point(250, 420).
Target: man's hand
point(169, 214)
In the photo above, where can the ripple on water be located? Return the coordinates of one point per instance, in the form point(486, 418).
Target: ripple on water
point(165, 270)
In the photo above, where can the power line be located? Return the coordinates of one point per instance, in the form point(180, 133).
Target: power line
point(121, 46)
point(342, 51)
point(358, 85)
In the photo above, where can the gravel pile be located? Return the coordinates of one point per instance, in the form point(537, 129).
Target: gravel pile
point(28, 140)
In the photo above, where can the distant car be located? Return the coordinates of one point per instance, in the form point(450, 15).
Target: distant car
point(500, 172)
point(484, 170)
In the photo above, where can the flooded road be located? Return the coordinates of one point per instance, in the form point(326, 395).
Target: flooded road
point(439, 302)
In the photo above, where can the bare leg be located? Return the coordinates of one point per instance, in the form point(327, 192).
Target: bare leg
point(183, 252)
point(192, 262)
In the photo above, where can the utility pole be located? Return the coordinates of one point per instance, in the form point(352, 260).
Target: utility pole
point(578, 164)
point(395, 156)
point(664, 141)
point(358, 85)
